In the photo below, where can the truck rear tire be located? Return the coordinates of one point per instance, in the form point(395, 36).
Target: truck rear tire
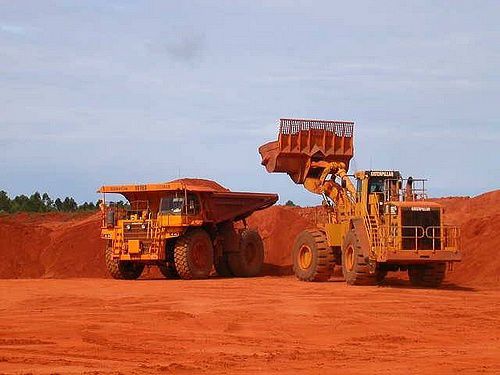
point(193, 255)
point(122, 270)
point(355, 266)
point(312, 257)
point(247, 262)
point(168, 270)
point(222, 266)
point(427, 275)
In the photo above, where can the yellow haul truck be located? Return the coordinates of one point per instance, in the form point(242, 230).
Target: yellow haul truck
point(378, 223)
point(185, 227)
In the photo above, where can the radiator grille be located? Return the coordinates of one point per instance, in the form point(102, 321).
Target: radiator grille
point(425, 238)
point(136, 232)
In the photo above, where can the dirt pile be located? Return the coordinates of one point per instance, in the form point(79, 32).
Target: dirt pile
point(278, 226)
point(479, 220)
point(55, 245)
point(68, 245)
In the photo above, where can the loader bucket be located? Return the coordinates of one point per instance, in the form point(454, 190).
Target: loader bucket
point(301, 142)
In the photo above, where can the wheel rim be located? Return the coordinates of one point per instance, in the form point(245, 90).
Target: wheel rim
point(200, 255)
point(305, 257)
point(349, 258)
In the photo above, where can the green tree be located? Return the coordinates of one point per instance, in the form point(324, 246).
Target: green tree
point(20, 203)
point(5, 203)
point(47, 202)
point(69, 205)
point(58, 204)
point(35, 203)
point(290, 203)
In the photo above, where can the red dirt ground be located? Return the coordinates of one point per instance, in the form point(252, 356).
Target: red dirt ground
point(265, 324)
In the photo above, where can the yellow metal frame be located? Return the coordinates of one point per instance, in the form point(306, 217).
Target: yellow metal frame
point(150, 246)
point(384, 235)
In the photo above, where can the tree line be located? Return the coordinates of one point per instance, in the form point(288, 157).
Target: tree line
point(37, 202)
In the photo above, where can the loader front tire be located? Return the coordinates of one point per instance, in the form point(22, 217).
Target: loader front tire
point(427, 275)
point(193, 255)
point(355, 266)
point(312, 257)
point(248, 260)
point(122, 270)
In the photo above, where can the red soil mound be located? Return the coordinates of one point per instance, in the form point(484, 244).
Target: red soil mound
point(68, 245)
point(479, 220)
point(278, 226)
point(52, 245)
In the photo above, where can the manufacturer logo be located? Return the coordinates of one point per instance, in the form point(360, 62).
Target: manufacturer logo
point(382, 173)
point(420, 208)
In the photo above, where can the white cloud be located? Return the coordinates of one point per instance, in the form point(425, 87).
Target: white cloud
point(13, 29)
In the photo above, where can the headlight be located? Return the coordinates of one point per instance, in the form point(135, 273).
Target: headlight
point(128, 227)
point(143, 226)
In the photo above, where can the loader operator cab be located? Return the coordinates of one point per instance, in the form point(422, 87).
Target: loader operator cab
point(380, 185)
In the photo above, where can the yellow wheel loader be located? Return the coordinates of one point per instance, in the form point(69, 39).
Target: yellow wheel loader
point(377, 221)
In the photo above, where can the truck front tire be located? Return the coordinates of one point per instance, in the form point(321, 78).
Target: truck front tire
point(122, 270)
point(193, 255)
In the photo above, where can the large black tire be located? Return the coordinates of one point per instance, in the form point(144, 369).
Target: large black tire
point(168, 270)
point(122, 270)
point(248, 260)
point(355, 266)
point(222, 266)
point(167, 267)
point(313, 259)
point(193, 255)
point(427, 275)
point(230, 239)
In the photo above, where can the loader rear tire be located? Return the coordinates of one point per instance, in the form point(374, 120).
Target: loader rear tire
point(247, 262)
point(427, 275)
point(122, 270)
point(193, 255)
point(355, 266)
point(312, 257)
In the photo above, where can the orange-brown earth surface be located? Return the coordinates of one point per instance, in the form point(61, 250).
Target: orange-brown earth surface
point(75, 321)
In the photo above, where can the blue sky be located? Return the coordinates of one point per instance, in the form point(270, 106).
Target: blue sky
point(102, 92)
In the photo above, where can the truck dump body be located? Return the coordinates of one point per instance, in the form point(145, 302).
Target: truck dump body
point(220, 203)
point(223, 206)
point(301, 142)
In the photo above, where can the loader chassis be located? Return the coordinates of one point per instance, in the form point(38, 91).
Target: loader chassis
point(185, 227)
point(378, 223)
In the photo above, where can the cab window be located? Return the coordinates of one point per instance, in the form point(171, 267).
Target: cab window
point(175, 204)
point(376, 185)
